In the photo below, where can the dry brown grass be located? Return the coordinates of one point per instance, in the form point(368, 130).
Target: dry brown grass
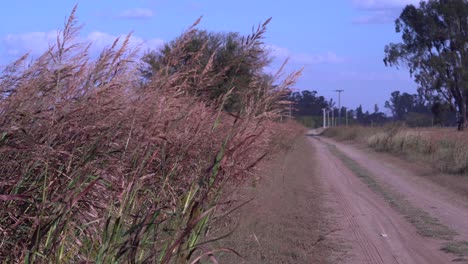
point(446, 149)
point(98, 167)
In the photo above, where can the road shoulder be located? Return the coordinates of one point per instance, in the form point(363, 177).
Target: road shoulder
point(286, 222)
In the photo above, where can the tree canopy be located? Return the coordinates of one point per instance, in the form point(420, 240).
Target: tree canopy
point(309, 103)
point(434, 48)
point(226, 53)
point(401, 104)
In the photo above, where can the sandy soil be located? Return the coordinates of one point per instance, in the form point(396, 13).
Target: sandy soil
point(377, 233)
point(311, 207)
point(450, 208)
point(286, 222)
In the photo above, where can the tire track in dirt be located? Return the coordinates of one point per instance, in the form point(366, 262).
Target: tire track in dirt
point(442, 214)
point(425, 194)
point(286, 222)
point(311, 208)
point(370, 252)
point(377, 233)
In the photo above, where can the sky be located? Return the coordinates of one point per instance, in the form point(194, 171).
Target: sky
point(339, 43)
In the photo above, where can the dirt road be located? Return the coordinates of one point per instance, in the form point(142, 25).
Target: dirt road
point(286, 220)
point(328, 202)
point(378, 232)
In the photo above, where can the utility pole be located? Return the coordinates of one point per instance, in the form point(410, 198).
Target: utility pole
point(324, 117)
point(339, 105)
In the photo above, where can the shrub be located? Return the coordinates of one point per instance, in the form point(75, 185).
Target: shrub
point(357, 133)
point(310, 121)
point(379, 141)
point(451, 156)
point(97, 167)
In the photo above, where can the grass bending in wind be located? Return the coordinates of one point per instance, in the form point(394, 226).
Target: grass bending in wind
point(100, 167)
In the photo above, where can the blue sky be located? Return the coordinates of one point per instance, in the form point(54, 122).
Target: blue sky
point(339, 43)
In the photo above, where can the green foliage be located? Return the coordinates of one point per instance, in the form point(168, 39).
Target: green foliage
point(402, 104)
point(433, 47)
point(310, 121)
point(308, 109)
point(413, 109)
point(366, 118)
point(414, 119)
point(232, 63)
point(308, 103)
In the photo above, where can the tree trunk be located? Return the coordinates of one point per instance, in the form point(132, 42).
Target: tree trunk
point(461, 117)
point(462, 113)
point(465, 104)
point(460, 102)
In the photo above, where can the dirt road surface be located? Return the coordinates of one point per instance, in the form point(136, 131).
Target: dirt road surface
point(329, 202)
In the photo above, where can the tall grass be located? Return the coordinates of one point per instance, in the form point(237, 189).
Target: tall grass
point(98, 166)
point(444, 149)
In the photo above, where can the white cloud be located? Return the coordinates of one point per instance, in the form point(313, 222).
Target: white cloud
point(38, 42)
point(378, 17)
point(34, 42)
point(278, 51)
point(101, 39)
point(328, 57)
point(371, 76)
point(383, 4)
point(304, 58)
point(136, 13)
point(380, 11)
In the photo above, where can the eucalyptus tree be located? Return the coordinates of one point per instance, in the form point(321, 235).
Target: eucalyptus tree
point(434, 49)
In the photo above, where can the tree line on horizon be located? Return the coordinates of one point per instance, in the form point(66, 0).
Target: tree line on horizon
point(411, 109)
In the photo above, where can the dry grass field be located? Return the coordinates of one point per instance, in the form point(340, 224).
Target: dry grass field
point(445, 148)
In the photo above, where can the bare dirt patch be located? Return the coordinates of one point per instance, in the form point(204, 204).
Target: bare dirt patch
point(286, 222)
point(425, 224)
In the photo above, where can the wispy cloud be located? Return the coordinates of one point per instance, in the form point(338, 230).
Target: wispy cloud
point(102, 39)
point(351, 75)
point(383, 4)
point(36, 43)
point(33, 42)
point(304, 58)
point(380, 11)
point(135, 13)
point(378, 17)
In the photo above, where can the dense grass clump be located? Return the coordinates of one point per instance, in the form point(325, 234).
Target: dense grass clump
point(445, 149)
point(99, 166)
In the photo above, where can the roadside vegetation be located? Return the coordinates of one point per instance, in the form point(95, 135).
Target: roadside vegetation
point(120, 160)
point(444, 148)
